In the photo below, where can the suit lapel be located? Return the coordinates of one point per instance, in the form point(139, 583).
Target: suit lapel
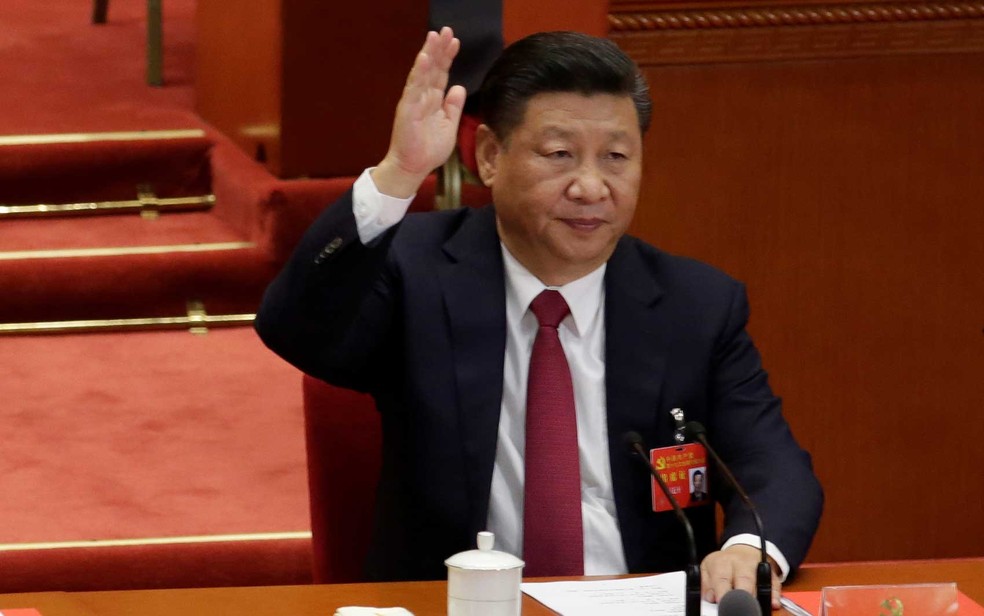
point(473, 285)
point(635, 363)
point(635, 351)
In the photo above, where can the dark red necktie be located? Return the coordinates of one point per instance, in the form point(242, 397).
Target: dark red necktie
point(553, 536)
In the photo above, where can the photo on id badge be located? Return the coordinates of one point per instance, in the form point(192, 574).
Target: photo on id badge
point(683, 468)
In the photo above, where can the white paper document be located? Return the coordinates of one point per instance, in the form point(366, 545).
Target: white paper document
point(653, 595)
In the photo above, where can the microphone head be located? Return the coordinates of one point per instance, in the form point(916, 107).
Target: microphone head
point(632, 439)
point(694, 429)
point(738, 602)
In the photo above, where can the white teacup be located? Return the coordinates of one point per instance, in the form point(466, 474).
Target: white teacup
point(484, 582)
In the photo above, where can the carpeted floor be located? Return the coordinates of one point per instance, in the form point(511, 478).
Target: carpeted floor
point(149, 434)
point(63, 74)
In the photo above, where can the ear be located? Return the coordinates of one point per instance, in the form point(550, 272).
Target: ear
point(487, 149)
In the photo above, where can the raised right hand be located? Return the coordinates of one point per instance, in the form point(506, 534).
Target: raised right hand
point(425, 128)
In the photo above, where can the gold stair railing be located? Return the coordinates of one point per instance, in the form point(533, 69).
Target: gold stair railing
point(196, 321)
point(450, 178)
point(121, 251)
point(147, 204)
point(124, 135)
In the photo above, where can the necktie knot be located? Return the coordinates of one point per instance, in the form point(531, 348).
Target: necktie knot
point(549, 308)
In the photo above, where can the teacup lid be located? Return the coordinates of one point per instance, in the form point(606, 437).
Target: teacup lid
point(484, 558)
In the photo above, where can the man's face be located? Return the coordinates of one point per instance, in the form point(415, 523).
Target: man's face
point(565, 181)
point(698, 482)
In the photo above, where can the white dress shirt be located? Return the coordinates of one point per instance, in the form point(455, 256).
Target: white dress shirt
point(582, 334)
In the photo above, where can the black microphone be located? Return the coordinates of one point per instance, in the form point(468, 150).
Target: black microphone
point(738, 602)
point(692, 598)
point(694, 430)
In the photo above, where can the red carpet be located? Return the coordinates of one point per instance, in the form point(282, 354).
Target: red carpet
point(63, 74)
point(144, 438)
point(149, 434)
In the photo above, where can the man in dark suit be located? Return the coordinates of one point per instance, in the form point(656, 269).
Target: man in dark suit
point(431, 314)
point(698, 492)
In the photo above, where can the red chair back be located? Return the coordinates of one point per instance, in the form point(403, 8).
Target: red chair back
point(343, 434)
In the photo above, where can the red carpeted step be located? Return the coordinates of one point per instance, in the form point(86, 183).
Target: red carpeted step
point(224, 257)
point(133, 286)
point(32, 238)
point(102, 170)
point(141, 564)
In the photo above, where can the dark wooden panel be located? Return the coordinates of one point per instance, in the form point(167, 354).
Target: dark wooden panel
point(687, 33)
point(522, 17)
point(345, 64)
point(848, 194)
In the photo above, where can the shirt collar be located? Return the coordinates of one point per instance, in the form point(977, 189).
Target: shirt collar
point(583, 296)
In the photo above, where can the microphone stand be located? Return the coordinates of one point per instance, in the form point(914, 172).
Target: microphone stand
point(692, 595)
point(763, 572)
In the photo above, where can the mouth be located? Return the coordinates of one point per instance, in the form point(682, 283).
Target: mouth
point(583, 224)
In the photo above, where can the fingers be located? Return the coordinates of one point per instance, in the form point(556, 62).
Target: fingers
point(454, 104)
point(443, 58)
point(726, 577)
point(425, 123)
point(419, 77)
point(424, 92)
point(433, 62)
point(730, 569)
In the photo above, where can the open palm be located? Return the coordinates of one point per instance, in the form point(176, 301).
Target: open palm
point(425, 128)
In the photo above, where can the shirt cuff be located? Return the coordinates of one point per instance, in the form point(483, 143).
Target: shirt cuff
point(770, 548)
point(375, 212)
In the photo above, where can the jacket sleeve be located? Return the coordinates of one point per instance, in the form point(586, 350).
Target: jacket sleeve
point(329, 312)
point(748, 430)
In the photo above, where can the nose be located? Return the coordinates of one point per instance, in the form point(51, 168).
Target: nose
point(588, 185)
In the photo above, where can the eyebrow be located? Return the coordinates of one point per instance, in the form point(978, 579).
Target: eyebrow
point(563, 133)
point(557, 131)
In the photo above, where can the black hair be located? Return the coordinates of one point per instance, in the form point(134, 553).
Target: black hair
point(558, 62)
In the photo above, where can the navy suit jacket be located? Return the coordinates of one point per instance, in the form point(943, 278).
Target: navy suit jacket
point(417, 319)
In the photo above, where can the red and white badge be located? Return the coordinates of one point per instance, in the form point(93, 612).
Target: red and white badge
point(684, 470)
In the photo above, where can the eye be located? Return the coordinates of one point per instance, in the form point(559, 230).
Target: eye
point(558, 154)
point(616, 156)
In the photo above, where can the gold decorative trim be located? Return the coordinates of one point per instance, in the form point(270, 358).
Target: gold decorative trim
point(196, 323)
point(140, 135)
point(783, 16)
point(143, 203)
point(261, 131)
point(115, 543)
point(448, 193)
point(691, 36)
point(121, 251)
